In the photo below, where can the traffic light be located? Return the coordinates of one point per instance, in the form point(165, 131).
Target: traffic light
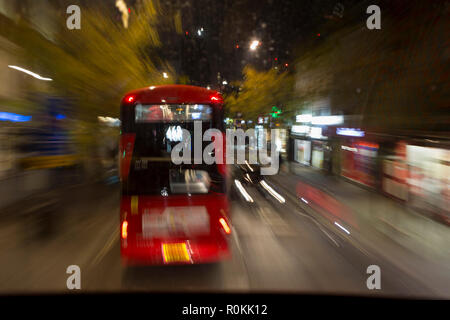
point(276, 112)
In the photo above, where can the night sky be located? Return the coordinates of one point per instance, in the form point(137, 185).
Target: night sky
point(284, 28)
point(281, 26)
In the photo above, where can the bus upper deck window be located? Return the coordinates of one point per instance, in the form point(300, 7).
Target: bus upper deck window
point(172, 113)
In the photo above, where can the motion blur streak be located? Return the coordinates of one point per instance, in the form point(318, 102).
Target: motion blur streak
point(124, 229)
point(275, 194)
point(348, 232)
point(243, 191)
point(8, 116)
point(251, 169)
point(329, 206)
point(225, 226)
point(122, 6)
point(35, 75)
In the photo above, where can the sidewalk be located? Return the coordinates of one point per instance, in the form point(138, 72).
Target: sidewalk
point(20, 186)
point(31, 190)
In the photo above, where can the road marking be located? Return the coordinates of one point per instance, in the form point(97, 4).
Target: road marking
point(320, 227)
point(241, 254)
point(394, 227)
point(236, 239)
point(265, 221)
point(106, 248)
point(277, 225)
point(346, 231)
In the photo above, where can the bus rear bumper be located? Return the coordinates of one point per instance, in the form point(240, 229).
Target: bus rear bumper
point(197, 252)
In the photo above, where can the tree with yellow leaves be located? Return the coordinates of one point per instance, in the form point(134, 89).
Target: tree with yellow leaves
point(259, 92)
point(98, 63)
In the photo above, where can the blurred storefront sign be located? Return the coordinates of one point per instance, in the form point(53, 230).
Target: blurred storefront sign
point(319, 120)
point(327, 120)
point(303, 118)
point(316, 133)
point(350, 132)
point(13, 117)
point(300, 129)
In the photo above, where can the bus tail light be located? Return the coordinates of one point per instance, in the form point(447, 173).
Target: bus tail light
point(124, 229)
point(129, 99)
point(217, 98)
point(225, 226)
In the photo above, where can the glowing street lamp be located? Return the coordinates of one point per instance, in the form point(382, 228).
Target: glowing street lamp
point(254, 44)
point(165, 75)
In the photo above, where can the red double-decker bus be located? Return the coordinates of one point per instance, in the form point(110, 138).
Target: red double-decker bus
point(169, 213)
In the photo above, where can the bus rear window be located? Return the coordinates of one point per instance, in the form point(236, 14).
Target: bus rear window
point(172, 113)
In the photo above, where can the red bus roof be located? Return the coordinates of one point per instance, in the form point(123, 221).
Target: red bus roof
point(174, 93)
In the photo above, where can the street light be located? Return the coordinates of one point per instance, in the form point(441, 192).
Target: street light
point(224, 82)
point(254, 44)
point(35, 75)
point(165, 75)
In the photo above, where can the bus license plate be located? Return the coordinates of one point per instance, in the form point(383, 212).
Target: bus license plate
point(175, 252)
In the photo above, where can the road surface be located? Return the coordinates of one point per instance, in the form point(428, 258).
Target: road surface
point(276, 247)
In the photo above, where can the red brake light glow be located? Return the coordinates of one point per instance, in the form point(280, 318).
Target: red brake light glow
point(216, 99)
point(124, 229)
point(130, 99)
point(225, 226)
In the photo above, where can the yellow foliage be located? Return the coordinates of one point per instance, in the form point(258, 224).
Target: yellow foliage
point(260, 91)
point(100, 62)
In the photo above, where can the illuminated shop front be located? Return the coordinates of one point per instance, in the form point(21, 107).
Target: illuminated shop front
point(302, 151)
point(358, 162)
point(429, 179)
